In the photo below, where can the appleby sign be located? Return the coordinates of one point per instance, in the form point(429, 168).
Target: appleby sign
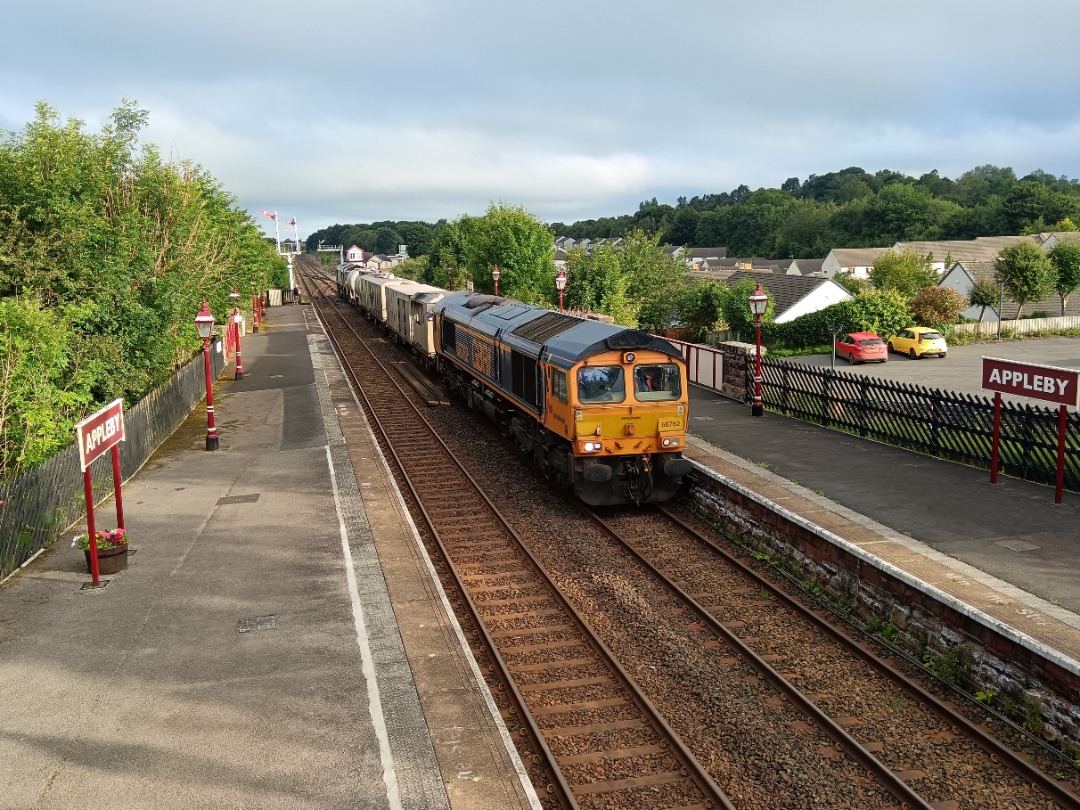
point(1048, 383)
point(97, 435)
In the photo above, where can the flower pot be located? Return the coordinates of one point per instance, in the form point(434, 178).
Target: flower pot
point(109, 560)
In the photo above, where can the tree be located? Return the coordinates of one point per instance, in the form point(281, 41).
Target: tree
point(654, 278)
point(596, 283)
point(884, 312)
point(106, 251)
point(937, 306)
point(506, 236)
point(1026, 273)
point(701, 306)
point(1066, 259)
point(905, 272)
point(984, 293)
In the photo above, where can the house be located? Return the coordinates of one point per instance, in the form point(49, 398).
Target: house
point(1049, 240)
point(794, 296)
point(855, 262)
point(946, 252)
point(806, 267)
point(355, 255)
point(702, 257)
point(962, 276)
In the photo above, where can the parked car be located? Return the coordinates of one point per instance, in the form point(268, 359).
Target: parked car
point(861, 347)
point(918, 341)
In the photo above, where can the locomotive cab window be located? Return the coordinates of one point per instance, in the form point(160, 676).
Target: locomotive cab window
point(558, 385)
point(657, 383)
point(601, 384)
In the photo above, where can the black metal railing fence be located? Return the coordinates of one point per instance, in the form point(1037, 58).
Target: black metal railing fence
point(952, 426)
point(45, 500)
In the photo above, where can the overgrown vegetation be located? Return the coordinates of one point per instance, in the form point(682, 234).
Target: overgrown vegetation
point(106, 251)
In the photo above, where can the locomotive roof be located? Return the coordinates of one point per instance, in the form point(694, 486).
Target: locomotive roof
point(568, 338)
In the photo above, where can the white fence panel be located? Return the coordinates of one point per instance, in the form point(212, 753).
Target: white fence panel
point(704, 364)
point(1023, 326)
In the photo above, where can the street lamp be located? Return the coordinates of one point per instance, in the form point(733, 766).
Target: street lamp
point(204, 325)
point(560, 285)
point(236, 318)
point(450, 275)
point(759, 301)
point(495, 277)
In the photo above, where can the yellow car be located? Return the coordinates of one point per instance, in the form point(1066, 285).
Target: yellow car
point(918, 341)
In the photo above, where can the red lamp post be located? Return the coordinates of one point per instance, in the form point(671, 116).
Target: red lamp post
point(759, 301)
point(236, 318)
point(495, 277)
point(204, 324)
point(560, 285)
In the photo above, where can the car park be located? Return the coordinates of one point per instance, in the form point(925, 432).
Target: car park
point(861, 347)
point(918, 342)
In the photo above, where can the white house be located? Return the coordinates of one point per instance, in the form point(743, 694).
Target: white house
point(355, 254)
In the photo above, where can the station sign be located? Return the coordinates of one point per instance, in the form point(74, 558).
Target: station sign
point(1047, 383)
point(100, 432)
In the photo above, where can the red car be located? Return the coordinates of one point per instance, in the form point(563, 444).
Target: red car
point(861, 347)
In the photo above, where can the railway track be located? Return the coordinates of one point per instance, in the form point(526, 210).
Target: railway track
point(778, 711)
point(605, 744)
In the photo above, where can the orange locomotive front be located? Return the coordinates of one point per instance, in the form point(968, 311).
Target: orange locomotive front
point(599, 407)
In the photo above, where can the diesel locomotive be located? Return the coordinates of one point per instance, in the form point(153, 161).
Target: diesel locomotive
point(598, 407)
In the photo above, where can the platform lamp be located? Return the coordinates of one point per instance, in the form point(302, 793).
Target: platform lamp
point(495, 277)
point(204, 325)
point(560, 285)
point(759, 301)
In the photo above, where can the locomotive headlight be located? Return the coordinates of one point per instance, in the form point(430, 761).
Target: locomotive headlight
point(671, 442)
point(592, 447)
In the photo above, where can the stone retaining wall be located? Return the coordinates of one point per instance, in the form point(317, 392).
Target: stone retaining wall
point(1022, 679)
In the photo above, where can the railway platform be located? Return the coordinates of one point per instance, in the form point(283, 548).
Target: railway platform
point(278, 639)
point(1003, 551)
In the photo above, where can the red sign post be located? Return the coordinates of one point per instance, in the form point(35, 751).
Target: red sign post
point(1047, 383)
point(98, 433)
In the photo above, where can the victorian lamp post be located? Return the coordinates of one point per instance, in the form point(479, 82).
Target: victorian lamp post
point(759, 301)
point(560, 285)
point(204, 324)
point(495, 277)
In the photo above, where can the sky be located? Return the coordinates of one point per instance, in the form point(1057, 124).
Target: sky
point(348, 112)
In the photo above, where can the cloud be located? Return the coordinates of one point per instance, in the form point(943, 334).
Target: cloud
point(419, 109)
